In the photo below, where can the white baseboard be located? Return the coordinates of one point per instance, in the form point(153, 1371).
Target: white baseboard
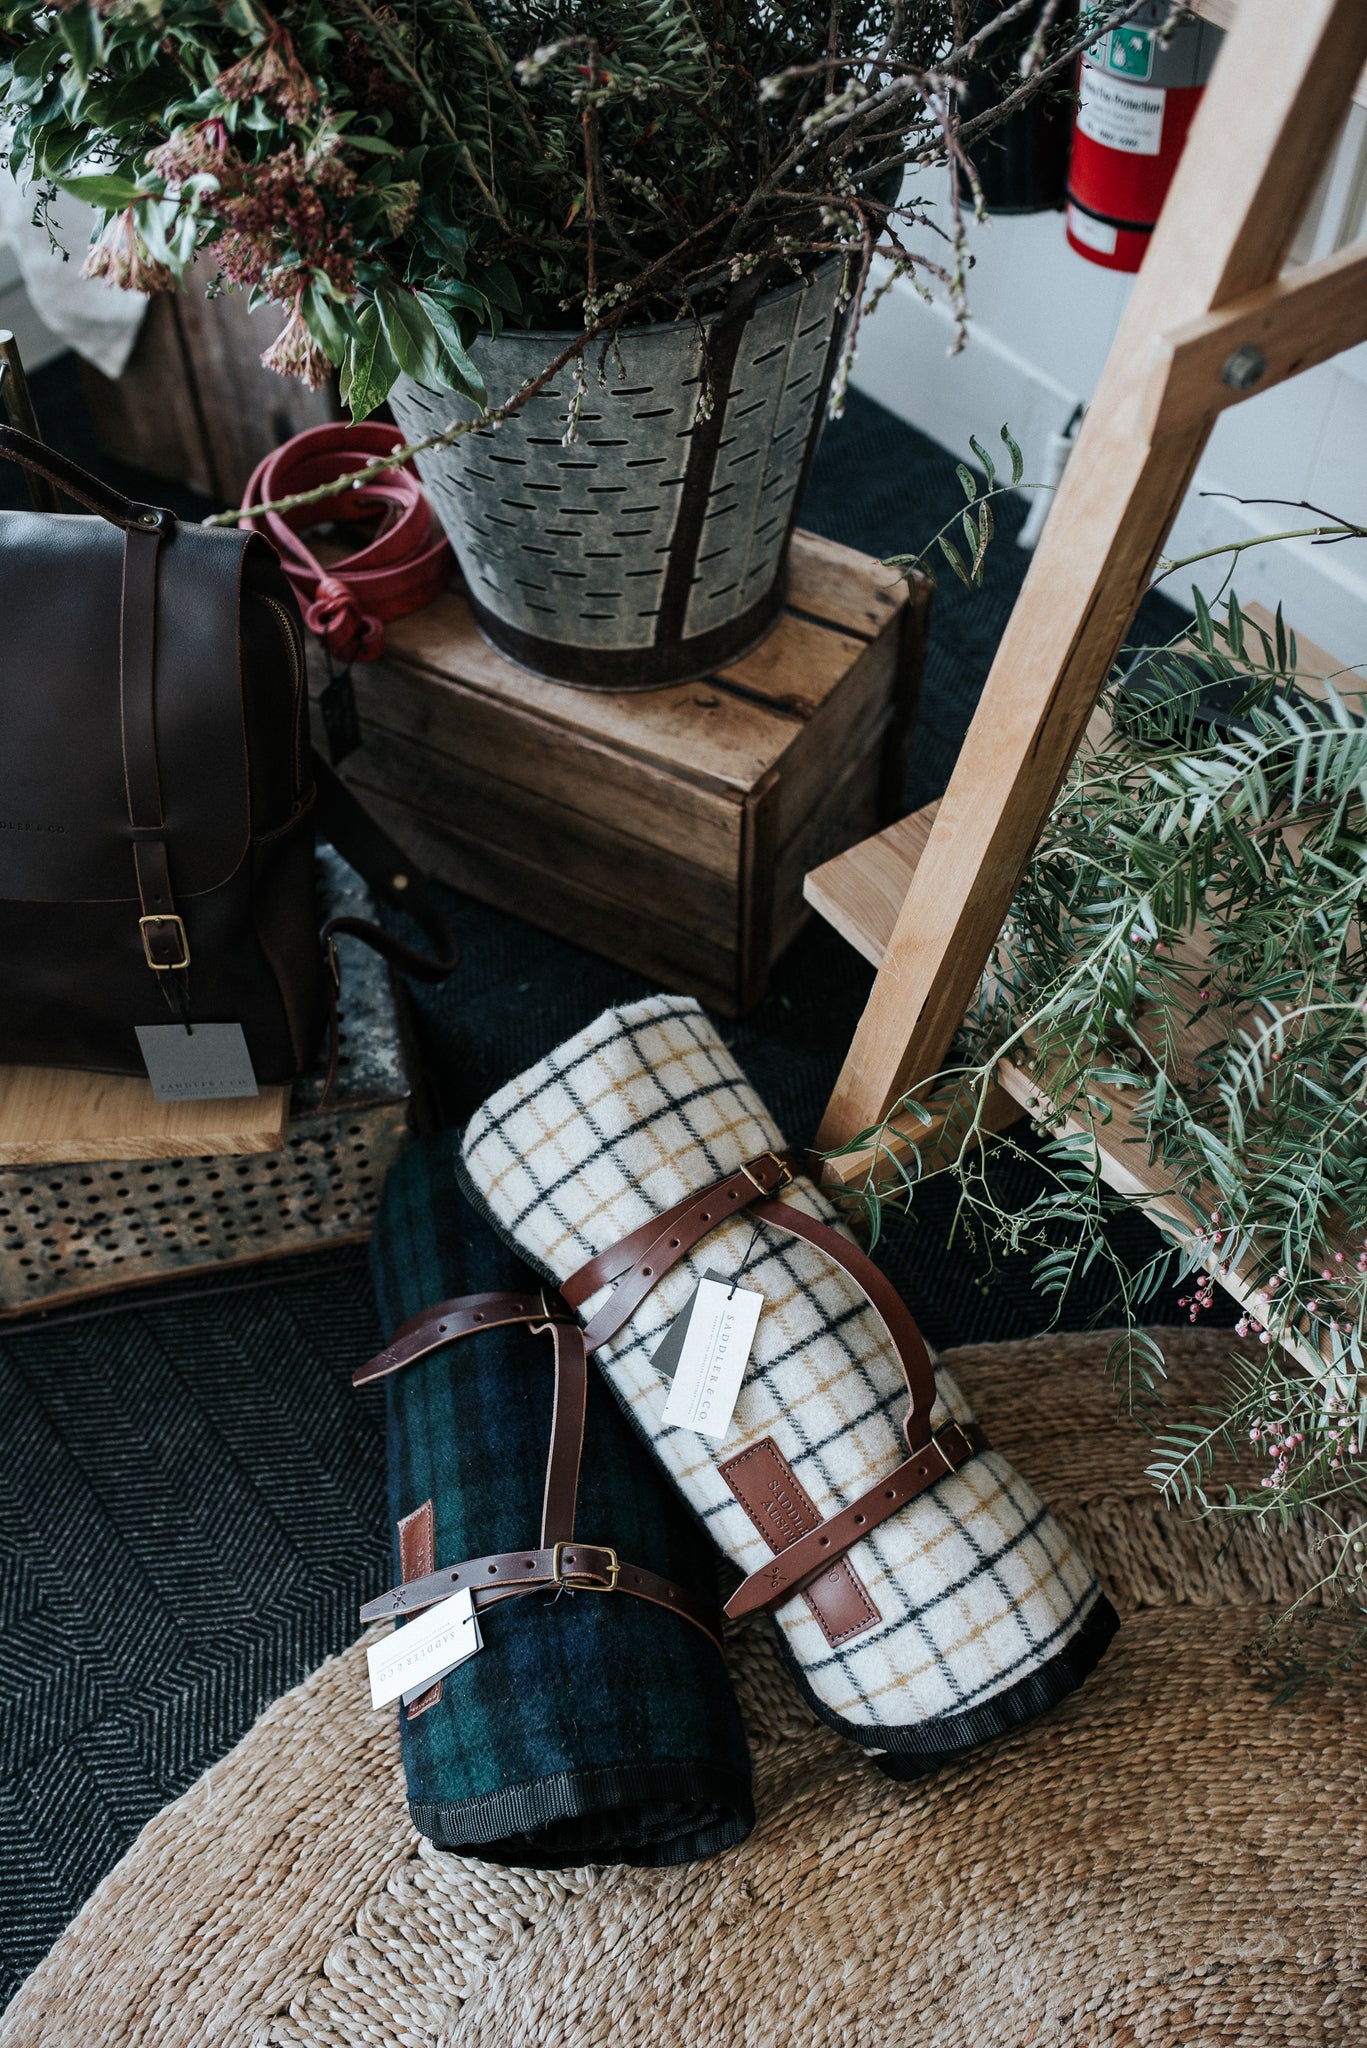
point(904, 363)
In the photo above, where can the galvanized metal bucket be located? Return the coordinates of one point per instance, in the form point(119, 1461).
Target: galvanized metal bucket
point(653, 546)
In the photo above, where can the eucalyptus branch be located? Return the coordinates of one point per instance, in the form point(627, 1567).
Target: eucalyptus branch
point(1340, 530)
point(381, 464)
point(1034, 54)
point(963, 53)
point(504, 68)
point(1188, 948)
point(573, 351)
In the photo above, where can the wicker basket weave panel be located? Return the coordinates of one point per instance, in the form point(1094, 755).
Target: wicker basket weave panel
point(69, 1231)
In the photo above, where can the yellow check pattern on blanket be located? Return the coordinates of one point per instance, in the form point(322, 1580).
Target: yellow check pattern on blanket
point(988, 1611)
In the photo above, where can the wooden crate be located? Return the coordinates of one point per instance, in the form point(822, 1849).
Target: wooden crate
point(73, 1224)
point(670, 829)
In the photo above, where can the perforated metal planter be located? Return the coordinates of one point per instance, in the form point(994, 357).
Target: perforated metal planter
point(652, 547)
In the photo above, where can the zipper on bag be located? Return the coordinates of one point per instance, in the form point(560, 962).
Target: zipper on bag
point(290, 636)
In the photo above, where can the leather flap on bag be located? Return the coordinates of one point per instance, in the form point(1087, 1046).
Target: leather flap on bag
point(65, 834)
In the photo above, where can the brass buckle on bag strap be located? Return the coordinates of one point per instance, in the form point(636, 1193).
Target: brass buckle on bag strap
point(164, 966)
point(587, 1581)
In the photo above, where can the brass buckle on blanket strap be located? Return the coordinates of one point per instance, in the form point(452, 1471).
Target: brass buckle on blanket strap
point(585, 1578)
point(785, 1173)
point(952, 1461)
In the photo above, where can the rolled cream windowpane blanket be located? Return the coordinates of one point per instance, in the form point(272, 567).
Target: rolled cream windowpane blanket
point(592, 1727)
point(971, 1609)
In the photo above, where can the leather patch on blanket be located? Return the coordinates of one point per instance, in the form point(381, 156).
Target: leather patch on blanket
point(416, 1560)
point(774, 1498)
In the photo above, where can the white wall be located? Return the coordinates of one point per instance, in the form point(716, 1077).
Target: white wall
point(1043, 319)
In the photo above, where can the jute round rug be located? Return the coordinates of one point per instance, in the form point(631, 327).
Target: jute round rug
point(1166, 1859)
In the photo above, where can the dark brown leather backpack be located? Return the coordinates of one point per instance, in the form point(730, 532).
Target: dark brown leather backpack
point(158, 792)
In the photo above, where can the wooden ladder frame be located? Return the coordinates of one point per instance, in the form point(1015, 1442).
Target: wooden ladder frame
point(1210, 321)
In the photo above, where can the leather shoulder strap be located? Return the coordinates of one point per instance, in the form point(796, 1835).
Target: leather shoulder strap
point(577, 1567)
point(636, 1262)
point(78, 483)
point(450, 1320)
point(639, 1261)
point(446, 1321)
point(814, 1553)
point(897, 1318)
point(558, 1560)
point(381, 862)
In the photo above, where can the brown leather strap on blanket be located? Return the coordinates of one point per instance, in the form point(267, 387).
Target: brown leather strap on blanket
point(802, 1561)
point(638, 1261)
point(444, 1322)
point(580, 1567)
point(558, 1561)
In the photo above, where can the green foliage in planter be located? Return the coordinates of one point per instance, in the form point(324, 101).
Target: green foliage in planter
point(1188, 943)
point(402, 178)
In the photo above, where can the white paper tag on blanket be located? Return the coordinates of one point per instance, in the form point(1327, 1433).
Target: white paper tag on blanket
point(424, 1649)
point(666, 1355)
point(716, 1346)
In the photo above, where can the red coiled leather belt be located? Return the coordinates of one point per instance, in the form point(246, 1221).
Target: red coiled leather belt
point(405, 566)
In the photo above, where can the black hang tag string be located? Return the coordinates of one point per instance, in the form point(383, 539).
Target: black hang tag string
point(749, 1253)
point(665, 1357)
point(175, 988)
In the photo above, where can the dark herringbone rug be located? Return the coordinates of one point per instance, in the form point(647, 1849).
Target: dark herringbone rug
point(191, 1497)
point(191, 1509)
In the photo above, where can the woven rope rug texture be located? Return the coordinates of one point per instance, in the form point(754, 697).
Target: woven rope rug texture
point(1164, 1861)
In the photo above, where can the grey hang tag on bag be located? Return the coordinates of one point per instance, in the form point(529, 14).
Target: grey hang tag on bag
point(198, 1063)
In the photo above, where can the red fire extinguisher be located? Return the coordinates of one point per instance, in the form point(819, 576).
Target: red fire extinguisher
point(1136, 100)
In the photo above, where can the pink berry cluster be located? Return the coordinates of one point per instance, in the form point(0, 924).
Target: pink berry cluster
point(1257, 1322)
point(1264, 1317)
point(1202, 1295)
point(1282, 1437)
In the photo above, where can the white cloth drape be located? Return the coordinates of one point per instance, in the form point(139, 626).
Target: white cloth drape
point(99, 322)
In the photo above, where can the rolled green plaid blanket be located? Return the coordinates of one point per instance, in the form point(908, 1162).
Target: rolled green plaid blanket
point(592, 1727)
